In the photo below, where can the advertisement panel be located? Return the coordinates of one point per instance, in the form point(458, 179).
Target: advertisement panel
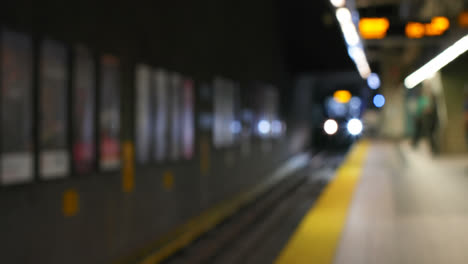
point(84, 90)
point(161, 124)
point(16, 156)
point(188, 129)
point(53, 154)
point(176, 120)
point(223, 95)
point(143, 113)
point(109, 114)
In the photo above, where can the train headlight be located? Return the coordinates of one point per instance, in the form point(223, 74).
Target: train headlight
point(330, 126)
point(354, 126)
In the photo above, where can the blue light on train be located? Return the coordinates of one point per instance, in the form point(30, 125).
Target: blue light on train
point(373, 81)
point(379, 100)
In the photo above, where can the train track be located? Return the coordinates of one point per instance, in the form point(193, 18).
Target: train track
point(258, 232)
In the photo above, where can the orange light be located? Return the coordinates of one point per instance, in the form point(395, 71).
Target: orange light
point(463, 19)
point(415, 30)
point(432, 31)
point(342, 96)
point(373, 28)
point(440, 24)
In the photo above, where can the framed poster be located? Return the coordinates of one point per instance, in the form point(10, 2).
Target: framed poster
point(161, 124)
point(205, 112)
point(188, 130)
point(218, 84)
point(109, 114)
point(16, 104)
point(53, 114)
point(143, 113)
point(83, 123)
point(223, 95)
point(176, 120)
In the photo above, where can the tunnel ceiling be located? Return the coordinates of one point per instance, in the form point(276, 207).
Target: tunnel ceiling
point(398, 54)
point(312, 38)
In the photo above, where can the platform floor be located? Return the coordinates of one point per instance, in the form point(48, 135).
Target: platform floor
point(407, 207)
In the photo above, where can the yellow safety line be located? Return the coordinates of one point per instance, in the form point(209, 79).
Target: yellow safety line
point(317, 236)
point(195, 227)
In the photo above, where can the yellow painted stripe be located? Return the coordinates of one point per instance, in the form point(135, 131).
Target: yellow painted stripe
point(195, 227)
point(317, 236)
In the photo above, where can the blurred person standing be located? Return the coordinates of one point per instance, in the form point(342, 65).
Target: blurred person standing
point(426, 119)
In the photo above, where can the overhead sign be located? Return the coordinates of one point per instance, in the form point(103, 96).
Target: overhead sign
point(438, 26)
point(373, 28)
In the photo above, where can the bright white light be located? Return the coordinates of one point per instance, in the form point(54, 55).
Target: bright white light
point(343, 15)
point(330, 126)
point(379, 100)
point(264, 127)
point(338, 3)
point(437, 63)
point(350, 33)
point(353, 41)
point(363, 68)
point(356, 52)
point(276, 127)
point(354, 126)
point(373, 81)
point(236, 127)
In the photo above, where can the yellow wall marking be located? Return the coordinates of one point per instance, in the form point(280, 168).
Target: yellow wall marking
point(128, 171)
point(168, 180)
point(205, 153)
point(317, 236)
point(71, 203)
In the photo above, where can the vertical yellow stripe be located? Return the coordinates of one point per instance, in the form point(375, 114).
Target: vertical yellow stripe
point(70, 203)
point(128, 171)
point(317, 236)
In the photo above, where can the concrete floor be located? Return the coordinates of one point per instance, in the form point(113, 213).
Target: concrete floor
point(408, 208)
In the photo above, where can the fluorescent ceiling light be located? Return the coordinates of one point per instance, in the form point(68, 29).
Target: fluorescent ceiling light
point(437, 63)
point(343, 15)
point(338, 3)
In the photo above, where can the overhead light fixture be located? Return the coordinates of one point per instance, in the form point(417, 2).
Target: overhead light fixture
point(343, 15)
point(338, 3)
point(437, 63)
point(353, 41)
point(350, 34)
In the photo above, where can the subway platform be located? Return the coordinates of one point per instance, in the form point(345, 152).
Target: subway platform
point(388, 203)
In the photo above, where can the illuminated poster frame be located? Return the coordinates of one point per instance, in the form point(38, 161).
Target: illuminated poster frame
point(143, 113)
point(161, 115)
point(188, 129)
point(84, 112)
point(53, 111)
point(176, 118)
point(16, 96)
point(109, 113)
point(223, 109)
